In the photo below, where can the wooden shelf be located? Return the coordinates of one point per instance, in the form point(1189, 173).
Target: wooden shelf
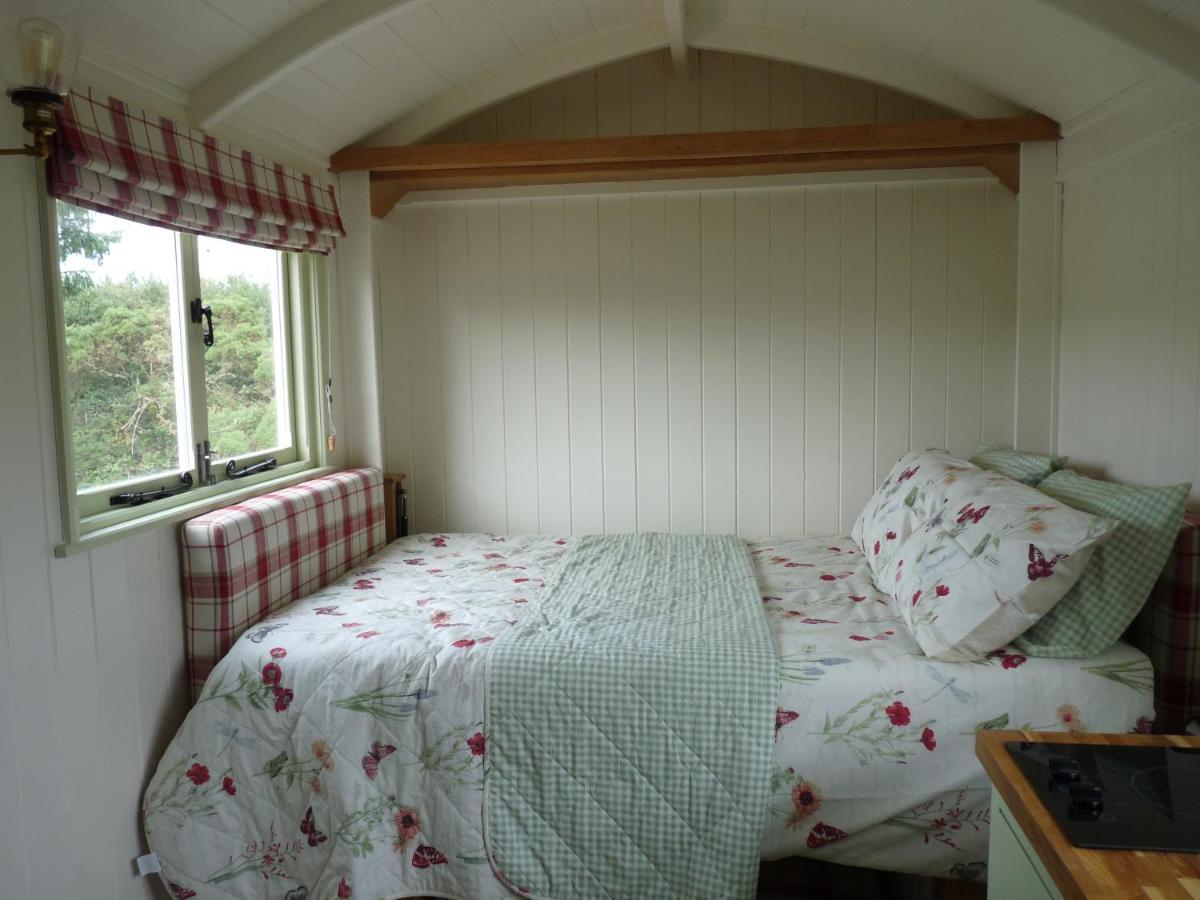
point(1087, 874)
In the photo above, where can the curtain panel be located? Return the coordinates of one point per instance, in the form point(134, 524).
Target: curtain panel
point(134, 164)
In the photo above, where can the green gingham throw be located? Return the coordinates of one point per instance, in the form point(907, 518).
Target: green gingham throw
point(631, 722)
point(1122, 571)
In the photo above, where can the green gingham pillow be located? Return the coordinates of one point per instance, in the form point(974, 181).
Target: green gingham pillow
point(1121, 573)
point(1027, 468)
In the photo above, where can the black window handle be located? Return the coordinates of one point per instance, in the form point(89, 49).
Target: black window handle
point(137, 498)
point(199, 314)
point(232, 471)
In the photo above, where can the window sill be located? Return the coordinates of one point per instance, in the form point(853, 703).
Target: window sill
point(179, 513)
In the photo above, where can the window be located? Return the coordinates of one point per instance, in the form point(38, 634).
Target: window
point(153, 414)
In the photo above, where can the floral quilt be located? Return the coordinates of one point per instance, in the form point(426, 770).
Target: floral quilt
point(339, 750)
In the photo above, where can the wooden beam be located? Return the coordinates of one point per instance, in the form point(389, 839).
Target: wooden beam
point(387, 188)
point(287, 49)
point(675, 13)
point(1171, 43)
point(729, 147)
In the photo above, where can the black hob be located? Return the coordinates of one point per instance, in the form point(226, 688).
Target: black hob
point(1108, 797)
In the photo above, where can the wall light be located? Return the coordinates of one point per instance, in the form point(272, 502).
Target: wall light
point(39, 62)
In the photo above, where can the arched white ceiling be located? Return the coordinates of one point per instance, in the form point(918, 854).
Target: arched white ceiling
point(749, 38)
point(325, 73)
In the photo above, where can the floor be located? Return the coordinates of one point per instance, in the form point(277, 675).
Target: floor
point(789, 879)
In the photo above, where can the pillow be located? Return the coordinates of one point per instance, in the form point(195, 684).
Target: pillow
point(899, 505)
point(1027, 468)
point(987, 559)
point(1116, 583)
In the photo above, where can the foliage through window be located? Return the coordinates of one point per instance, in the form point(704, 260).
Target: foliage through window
point(139, 389)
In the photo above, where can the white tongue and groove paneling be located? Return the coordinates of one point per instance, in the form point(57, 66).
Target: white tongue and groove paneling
point(727, 92)
point(1129, 371)
point(92, 681)
point(723, 360)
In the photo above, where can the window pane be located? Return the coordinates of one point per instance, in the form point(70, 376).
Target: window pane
point(245, 369)
point(118, 286)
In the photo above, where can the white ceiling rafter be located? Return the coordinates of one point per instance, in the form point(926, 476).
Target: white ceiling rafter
point(533, 71)
point(284, 51)
point(748, 38)
point(675, 14)
point(1171, 43)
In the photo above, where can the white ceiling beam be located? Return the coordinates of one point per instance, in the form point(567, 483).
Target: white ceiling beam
point(849, 59)
point(1171, 43)
point(284, 51)
point(531, 72)
point(677, 35)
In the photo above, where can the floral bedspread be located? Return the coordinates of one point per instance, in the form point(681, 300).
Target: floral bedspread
point(339, 749)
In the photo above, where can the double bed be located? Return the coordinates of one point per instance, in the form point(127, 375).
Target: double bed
point(340, 747)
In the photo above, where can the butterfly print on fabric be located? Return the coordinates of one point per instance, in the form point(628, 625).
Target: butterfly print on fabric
point(374, 757)
point(308, 827)
point(425, 856)
point(823, 834)
point(1039, 566)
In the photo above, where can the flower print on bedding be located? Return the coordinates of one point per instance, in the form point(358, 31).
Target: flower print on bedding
point(368, 781)
point(913, 491)
point(992, 559)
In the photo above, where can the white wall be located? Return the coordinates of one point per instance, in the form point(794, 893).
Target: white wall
point(92, 661)
point(1129, 383)
point(91, 647)
point(726, 92)
point(749, 361)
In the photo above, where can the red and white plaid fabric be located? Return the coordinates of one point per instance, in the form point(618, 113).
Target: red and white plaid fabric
point(246, 561)
point(1168, 631)
point(140, 166)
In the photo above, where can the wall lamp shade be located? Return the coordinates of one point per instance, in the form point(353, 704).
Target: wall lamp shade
point(40, 44)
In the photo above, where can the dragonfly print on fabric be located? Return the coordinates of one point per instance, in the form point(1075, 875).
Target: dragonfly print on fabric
point(948, 682)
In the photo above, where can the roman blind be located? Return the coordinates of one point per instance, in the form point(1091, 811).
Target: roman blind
point(145, 167)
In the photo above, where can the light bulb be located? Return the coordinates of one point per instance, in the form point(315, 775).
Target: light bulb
point(41, 46)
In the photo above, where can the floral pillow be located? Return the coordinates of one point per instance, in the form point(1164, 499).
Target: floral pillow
point(913, 491)
point(989, 558)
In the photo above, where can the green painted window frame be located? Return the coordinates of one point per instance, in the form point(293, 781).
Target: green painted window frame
point(305, 305)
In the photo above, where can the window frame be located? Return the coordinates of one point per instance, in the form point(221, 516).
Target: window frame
point(86, 516)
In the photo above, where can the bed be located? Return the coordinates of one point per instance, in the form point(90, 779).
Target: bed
point(339, 748)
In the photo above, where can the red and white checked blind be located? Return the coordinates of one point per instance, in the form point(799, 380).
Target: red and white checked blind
point(134, 164)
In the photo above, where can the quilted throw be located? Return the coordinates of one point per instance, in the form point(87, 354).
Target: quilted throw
point(339, 750)
point(631, 715)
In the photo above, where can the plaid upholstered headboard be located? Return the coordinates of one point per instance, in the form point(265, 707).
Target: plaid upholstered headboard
point(246, 561)
point(1168, 631)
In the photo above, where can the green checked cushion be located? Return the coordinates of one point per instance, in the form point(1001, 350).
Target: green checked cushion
point(1122, 571)
point(1027, 468)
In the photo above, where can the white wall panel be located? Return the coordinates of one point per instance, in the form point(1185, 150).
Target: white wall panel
point(726, 92)
point(725, 360)
point(92, 681)
point(1129, 382)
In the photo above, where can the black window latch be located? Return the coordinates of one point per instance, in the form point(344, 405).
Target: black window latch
point(232, 471)
point(137, 498)
point(199, 314)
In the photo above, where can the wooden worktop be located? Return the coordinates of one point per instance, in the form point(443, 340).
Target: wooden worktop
point(1079, 873)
